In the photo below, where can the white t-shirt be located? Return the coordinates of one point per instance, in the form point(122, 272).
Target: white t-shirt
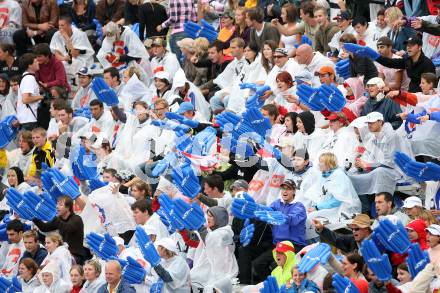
point(28, 85)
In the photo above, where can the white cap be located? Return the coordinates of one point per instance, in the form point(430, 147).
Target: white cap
point(434, 229)
point(376, 81)
point(118, 240)
point(168, 244)
point(162, 75)
point(412, 201)
point(359, 122)
point(373, 117)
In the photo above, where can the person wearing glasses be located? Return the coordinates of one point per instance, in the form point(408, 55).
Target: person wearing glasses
point(282, 63)
point(360, 227)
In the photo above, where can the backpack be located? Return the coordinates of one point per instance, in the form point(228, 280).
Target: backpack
point(43, 110)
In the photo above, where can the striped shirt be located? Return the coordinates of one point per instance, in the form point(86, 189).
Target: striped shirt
point(180, 11)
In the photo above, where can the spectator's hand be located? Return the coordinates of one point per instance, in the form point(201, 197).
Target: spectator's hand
point(403, 116)
point(291, 98)
point(400, 53)
point(114, 188)
point(45, 26)
point(159, 28)
point(392, 94)
point(416, 23)
point(29, 33)
point(318, 225)
point(74, 53)
point(275, 22)
point(435, 213)
point(359, 163)
point(342, 5)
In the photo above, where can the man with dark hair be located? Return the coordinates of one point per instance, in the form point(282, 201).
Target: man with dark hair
point(113, 79)
point(308, 26)
point(143, 215)
point(260, 31)
point(33, 248)
point(216, 63)
point(84, 94)
point(214, 193)
point(15, 249)
point(51, 71)
point(39, 20)
point(9, 65)
point(325, 32)
point(72, 47)
point(69, 225)
point(101, 123)
point(28, 97)
point(383, 202)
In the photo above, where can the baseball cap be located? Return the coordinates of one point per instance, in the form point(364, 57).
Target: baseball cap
point(414, 41)
point(341, 117)
point(161, 42)
point(376, 81)
point(412, 201)
point(384, 41)
point(185, 106)
point(284, 246)
point(282, 51)
point(343, 15)
point(162, 75)
point(325, 70)
point(361, 221)
point(434, 229)
point(240, 183)
point(373, 117)
point(84, 71)
point(168, 244)
point(289, 183)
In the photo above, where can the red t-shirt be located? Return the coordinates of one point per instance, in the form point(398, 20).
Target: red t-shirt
point(362, 285)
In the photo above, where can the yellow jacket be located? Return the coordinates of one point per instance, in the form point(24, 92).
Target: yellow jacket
point(40, 156)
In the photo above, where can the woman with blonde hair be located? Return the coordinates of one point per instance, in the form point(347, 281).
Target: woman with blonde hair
point(59, 255)
point(333, 197)
point(398, 33)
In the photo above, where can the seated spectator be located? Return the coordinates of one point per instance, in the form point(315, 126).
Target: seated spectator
point(16, 180)
point(113, 79)
point(284, 256)
point(11, 20)
point(378, 103)
point(375, 285)
point(28, 275)
point(404, 277)
point(143, 215)
point(121, 47)
point(242, 30)
point(428, 83)
point(381, 28)
point(363, 32)
point(58, 254)
point(72, 47)
point(43, 152)
point(415, 210)
point(395, 79)
point(84, 95)
point(351, 267)
point(51, 71)
point(360, 227)
point(355, 95)
point(14, 249)
point(308, 26)
point(76, 278)
point(344, 21)
point(34, 250)
point(281, 62)
point(82, 14)
point(300, 283)
point(92, 276)
point(50, 280)
point(384, 207)
point(9, 65)
point(289, 17)
point(109, 10)
point(40, 21)
point(312, 61)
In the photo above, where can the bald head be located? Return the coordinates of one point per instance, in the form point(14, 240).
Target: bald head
point(304, 54)
point(113, 272)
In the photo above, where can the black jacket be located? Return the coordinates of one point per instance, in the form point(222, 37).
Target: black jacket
point(38, 257)
point(71, 229)
point(387, 107)
point(363, 66)
point(414, 70)
point(344, 242)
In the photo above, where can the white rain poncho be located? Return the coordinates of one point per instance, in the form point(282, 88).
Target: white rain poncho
point(79, 42)
point(115, 212)
point(102, 128)
point(83, 97)
point(304, 180)
point(214, 258)
point(127, 44)
point(343, 144)
point(311, 142)
point(253, 73)
point(179, 272)
point(338, 186)
point(291, 67)
point(168, 63)
point(194, 95)
point(6, 106)
point(92, 217)
point(61, 259)
point(425, 137)
point(58, 285)
point(379, 154)
point(10, 20)
point(135, 90)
